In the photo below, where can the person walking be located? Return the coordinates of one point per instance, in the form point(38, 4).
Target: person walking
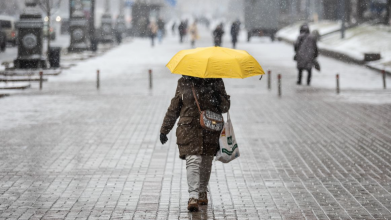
point(196, 145)
point(153, 28)
point(235, 27)
point(306, 52)
point(173, 27)
point(218, 34)
point(182, 31)
point(194, 33)
point(161, 29)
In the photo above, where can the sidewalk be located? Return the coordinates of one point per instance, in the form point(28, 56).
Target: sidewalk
point(358, 41)
point(71, 151)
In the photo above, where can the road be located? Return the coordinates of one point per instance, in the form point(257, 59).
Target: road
point(72, 151)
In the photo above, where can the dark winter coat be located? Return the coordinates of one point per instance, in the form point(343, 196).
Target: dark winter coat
point(235, 31)
point(182, 28)
point(192, 139)
point(218, 34)
point(306, 51)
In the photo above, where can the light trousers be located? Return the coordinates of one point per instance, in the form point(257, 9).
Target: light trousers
point(198, 173)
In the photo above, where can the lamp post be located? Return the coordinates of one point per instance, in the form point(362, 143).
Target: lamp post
point(388, 13)
point(92, 32)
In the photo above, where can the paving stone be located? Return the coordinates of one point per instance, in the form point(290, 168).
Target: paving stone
point(96, 154)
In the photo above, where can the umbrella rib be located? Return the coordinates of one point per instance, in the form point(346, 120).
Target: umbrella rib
point(241, 72)
point(179, 63)
point(206, 67)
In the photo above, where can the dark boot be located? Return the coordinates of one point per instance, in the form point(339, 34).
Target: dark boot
point(203, 198)
point(192, 205)
point(299, 78)
point(309, 77)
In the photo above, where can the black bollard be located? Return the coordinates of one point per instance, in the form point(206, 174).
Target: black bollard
point(40, 80)
point(384, 79)
point(279, 85)
point(337, 77)
point(97, 79)
point(150, 78)
point(269, 80)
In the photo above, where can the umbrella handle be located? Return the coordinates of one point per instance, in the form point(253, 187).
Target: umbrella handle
point(261, 77)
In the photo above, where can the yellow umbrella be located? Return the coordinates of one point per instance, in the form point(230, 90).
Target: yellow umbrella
point(215, 62)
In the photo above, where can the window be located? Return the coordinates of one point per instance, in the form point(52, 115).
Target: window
point(5, 24)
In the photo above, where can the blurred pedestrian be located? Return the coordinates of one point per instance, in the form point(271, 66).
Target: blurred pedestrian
point(173, 28)
point(196, 145)
point(218, 34)
point(161, 29)
point(182, 31)
point(235, 27)
point(306, 52)
point(118, 35)
point(153, 28)
point(142, 26)
point(194, 33)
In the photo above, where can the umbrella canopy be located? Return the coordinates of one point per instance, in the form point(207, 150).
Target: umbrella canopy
point(215, 62)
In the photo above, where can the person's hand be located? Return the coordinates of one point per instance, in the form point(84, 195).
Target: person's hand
point(163, 138)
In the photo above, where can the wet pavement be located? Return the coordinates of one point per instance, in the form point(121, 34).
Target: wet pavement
point(71, 151)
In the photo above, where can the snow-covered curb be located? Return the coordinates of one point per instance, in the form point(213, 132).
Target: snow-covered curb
point(14, 85)
point(383, 64)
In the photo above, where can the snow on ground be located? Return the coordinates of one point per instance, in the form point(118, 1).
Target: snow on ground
point(138, 54)
point(134, 58)
point(291, 32)
point(273, 55)
point(5, 85)
point(374, 98)
point(358, 40)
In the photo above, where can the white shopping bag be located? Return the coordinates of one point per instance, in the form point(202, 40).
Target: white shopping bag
point(228, 147)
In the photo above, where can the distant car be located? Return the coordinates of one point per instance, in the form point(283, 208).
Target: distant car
point(261, 18)
point(47, 32)
point(8, 26)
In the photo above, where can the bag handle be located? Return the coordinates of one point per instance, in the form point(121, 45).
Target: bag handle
point(229, 120)
point(195, 97)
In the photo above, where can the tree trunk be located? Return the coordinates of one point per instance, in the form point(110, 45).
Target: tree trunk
point(387, 18)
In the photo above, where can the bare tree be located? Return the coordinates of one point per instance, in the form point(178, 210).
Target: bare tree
point(10, 7)
point(49, 7)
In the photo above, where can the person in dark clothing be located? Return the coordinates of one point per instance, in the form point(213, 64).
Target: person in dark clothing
point(306, 53)
point(173, 28)
point(161, 29)
point(182, 31)
point(118, 36)
point(153, 28)
point(235, 27)
point(218, 34)
point(197, 146)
